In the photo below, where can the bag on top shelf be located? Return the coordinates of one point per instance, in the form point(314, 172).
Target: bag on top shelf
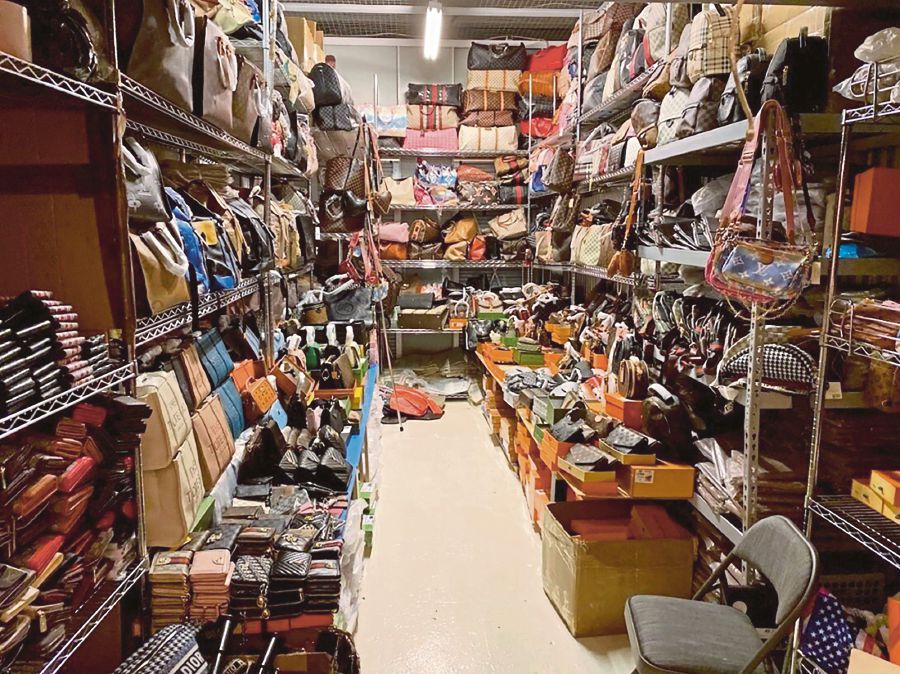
point(497, 57)
point(434, 94)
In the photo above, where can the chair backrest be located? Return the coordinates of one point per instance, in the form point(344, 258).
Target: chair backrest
point(777, 548)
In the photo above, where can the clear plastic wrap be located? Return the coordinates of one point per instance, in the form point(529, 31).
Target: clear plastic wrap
point(881, 46)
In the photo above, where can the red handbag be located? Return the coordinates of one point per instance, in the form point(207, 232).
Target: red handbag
point(548, 58)
point(478, 248)
point(538, 127)
point(431, 140)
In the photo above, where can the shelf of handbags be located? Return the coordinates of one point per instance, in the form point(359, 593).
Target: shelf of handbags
point(443, 208)
point(180, 315)
point(31, 72)
point(886, 111)
point(861, 523)
point(588, 271)
point(620, 102)
point(451, 264)
point(84, 621)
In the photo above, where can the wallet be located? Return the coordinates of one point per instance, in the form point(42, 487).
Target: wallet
point(294, 540)
point(253, 492)
point(13, 582)
point(242, 512)
point(37, 494)
point(222, 537)
point(81, 471)
point(290, 569)
point(627, 441)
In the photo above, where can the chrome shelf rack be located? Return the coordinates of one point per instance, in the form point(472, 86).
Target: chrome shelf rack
point(36, 74)
point(489, 208)
point(861, 523)
point(402, 152)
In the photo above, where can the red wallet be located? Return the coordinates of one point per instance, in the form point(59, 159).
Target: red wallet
point(77, 474)
point(92, 415)
point(39, 555)
point(69, 428)
point(34, 496)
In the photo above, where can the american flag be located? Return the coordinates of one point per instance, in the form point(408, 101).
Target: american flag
point(827, 639)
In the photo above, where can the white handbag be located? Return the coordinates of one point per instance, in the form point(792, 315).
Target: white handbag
point(169, 424)
point(403, 192)
point(670, 112)
point(508, 226)
point(172, 496)
point(499, 138)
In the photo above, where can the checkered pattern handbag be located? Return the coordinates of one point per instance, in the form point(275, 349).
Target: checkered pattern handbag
point(493, 80)
point(709, 45)
point(588, 252)
point(172, 650)
point(670, 113)
point(652, 20)
point(782, 363)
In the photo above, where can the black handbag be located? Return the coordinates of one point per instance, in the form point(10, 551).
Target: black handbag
point(340, 117)
point(541, 106)
point(259, 254)
point(497, 57)
point(62, 40)
point(492, 247)
point(415, 300)
point(513, 194)
point(326, 85)
point(751, 71)
point(172, 650)
point(666, 420)
point(797, 76)
point(334, 471)
point(435, 94)
point(514, 249)
point(349, 302)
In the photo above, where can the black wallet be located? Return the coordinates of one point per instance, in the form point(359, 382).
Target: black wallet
point(222, 537)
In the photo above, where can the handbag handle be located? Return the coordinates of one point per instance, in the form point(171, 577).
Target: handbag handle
point(136, 157)
point(227, 61)
point(635, 192)
point(169, 252)
point(181, 22)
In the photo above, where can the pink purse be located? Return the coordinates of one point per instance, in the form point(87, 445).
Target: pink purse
point(396, 232)
point(431, 140)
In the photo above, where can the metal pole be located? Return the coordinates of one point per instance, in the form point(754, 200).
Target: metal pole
point(668, 28)
point(268, 318)
point(578, 76)
point(530, 143)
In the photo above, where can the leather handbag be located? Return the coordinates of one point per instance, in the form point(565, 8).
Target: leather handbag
point(431, 140)
point(456, 251)
point(260, 245)
point(514, 249)
point(350, 304)
point(751, 70)
point(623, 260)
point(539, 127)
point(499, 139)
point(327, 88)
point(565, 211)
point(402, 191)
point(257, 399)
point(345, 174)
point(393, 250)
point(169, 424)
point(678, 64)
point(882, 389)
point(513, 194)
point(539, 106)
point(548, 58)
point(162, 58)
point(605, 27)
point(494, 80)
point(164, 266)
point(487, 118)
point(230, 398)
point(710, 46)
point(431, 117)
point(466, 173)
point(497, 57)
point(245, 371)
point(670, 113)
point(485, 99)
point(509, 164)
point(215, 445)
point(644, 117)
point(247, 103)
point(214, 357)
point(425, 251)
point(512, 225)
point(561, 172)
point(477, 249)
point(143, 184)
point(340, 117)
point(797, 76)
point(540, 84)
point(700, 112)
point(434, 94)
point(424, 230)
point(543, 246)
point(215, 74)
point(461, 230)
point(479, 194)
point(191, 377)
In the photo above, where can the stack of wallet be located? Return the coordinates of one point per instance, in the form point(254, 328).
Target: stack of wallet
point(249, 587)
point(287, 583)
point(323, 586)
point(170, 593)
point(211, 572)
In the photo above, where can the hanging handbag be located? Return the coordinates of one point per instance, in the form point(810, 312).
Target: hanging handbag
point(326, 85)
point(431, 140)
point(750, 269)
point(431, 117)
point(671, 111)
point(484, 99)
point(497, 57)
point(700, 112)
point(143, 184)
point(434, 94)
point(461, 230)
point(162, 58)
point(247, 103)
point(344, 174)
point(215, 75)
point(508, 226)
point(479, 194)
point(710, 43)
point(493, 80)
point(797, 76)
point(340, 117)
point(623, 261)
point(561, 172)
point(751, 71)
point(497, 139)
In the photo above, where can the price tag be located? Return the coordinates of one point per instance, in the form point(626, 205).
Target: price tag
point(644, 476)
point(834, 391)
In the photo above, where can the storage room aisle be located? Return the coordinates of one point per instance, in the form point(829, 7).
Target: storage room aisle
point(454, 582)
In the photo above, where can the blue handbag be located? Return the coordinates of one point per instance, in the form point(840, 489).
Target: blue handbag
point(253, 343)
point(221, 258)
point(277, 414)
point(231, 403)
point(214, 357)
point(193, 245)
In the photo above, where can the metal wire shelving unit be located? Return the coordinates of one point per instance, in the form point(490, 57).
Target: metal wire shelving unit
point(861, 523)
point(35, 74)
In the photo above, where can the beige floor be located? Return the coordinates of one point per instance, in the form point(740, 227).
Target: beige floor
point(454, 582)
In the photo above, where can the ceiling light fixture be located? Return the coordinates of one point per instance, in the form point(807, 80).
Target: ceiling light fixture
point(433, 18)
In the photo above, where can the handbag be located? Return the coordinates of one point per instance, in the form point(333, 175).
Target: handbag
point(212, 434)
point(172, 650)
point(431, 117)
point(493, 80)
point(349, 302)
point(326, 85)
point(233, 407)
point(797, 76)
point(393, 250)
point(340, 117)
point(477, 249)
point(169, 424)
point(653, 21)
point(543, 246)
point(466, 173)
point(749, 269)
point(456, 252)
point(402, 191)
point(540, 84)
point(487, 118)
point(431, 140)
point(479, 194)
point(882, 390)
point(497, 57)
point(498, 139)
point(425, 251)
point(394, 232)
point(514, 249)
point(548, 58)
point(751, 70)
point(260, 245)
point(215, 74)
point(561, 173)
point(434, 94)
point(485, 99)
point(143, 184)
point(162, 58)
point(512, 194)
point(644, 117)
point(540, 106)
point(671, 111)
point(461, 230)
point(191, 377)
point(247, 104)
point(507, 226)
point(424, 230)
point(509, 164)
point(162, 283)
point(700, 112)
point(345, 174)
point(214, 357)
point(539, 127)
point(710, 45)
point(622, 262)
point(565, 212)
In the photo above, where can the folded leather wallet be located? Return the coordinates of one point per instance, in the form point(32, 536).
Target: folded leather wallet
point(13, 582)
point(253, 492)
point(294, 540)
point(242, 512)
point(81, 471)
point(590, 458)
point(290, 568)
point(222, 537)
point(37, 494)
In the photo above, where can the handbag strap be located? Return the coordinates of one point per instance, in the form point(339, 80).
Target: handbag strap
point(635, 192)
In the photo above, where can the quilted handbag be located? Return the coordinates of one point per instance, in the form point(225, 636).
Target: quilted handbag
point(169, 425)
point(782, 364)
point(485, 99)
point(425, 251)
point(326, 85)
point(497, 57)
point(513, 194)
point(215, 74)
point(434, 94)
point(700, 112)
point(431, 140)
point(214, 357)
point(172, 650)
point(233, 407)
point(498, 138)
point(539, 127)
point(709, 49)
point(431, 117)
point(340, 117)
point(479, 194)
point(402, 191)
point(540, 84)
point(512, 225)
point(547, 59)
point(493, 80)
point(489, 118)
point(462, 229)
point(424, 230)
point(670, 112)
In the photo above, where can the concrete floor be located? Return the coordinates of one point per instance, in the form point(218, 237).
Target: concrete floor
point(454, 582)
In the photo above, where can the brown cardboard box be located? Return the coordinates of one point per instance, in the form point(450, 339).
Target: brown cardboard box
point(892, 512)
point(423, 319)
point(541, 500)
point(320, 38)
point(863, 492)
point(664, 480)
point(886, 483)
point(866, 663)
point(589, 582)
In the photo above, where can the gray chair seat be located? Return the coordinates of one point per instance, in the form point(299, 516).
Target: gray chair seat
point(695, 637)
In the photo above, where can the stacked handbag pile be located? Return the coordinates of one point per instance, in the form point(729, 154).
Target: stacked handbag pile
point(183, 51)
point(69, 517)
point(541, 86)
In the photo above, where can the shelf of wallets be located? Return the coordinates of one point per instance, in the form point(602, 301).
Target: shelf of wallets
point(67, 538)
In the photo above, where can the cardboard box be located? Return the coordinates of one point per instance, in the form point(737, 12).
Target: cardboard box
point(302, 34)
point(664, 480)
point(892, 512)
point(320, 38)
point(872, 211)
point(866, 663)
point(552, 449)
point(626, 410)
point(588, 582)
point(628, 459)
point(541, 501)
point(527, 359)
point(423, 319)
point(581, 490)
point(539, 474)
point(862, 492)
point(886, 483)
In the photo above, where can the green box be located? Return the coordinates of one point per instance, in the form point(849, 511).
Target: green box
point(359, 372)
point(204, 517)
point(528, 359)
point(368, 523)
point(511, 342)
point(491, 316)
point(538, 433)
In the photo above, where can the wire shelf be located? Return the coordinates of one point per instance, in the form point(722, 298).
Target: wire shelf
point(449, 154)
point(179, 316)
point(421, 331)
point(584, 270)
point(84, 621)
point(857, 348)
point(621, 101)
point(450, 264)
point(14, 423)
point(863, 524)
point(623, 175)
point(870, 113)
point(438, 208)
point(36, 74)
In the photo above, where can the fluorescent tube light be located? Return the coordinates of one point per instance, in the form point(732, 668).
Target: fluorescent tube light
point(433, 19)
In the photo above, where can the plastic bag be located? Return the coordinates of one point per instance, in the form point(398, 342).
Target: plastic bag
point(860, 86)
point(710, 198)
point(881, 46)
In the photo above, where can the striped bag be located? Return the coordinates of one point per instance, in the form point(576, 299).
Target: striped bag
point(431, 117)
point(483, 99)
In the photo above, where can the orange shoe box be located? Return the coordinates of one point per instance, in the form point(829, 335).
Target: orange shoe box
point(552, 449)
point(886, 483)
point(873, 210)
point(625, 410)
